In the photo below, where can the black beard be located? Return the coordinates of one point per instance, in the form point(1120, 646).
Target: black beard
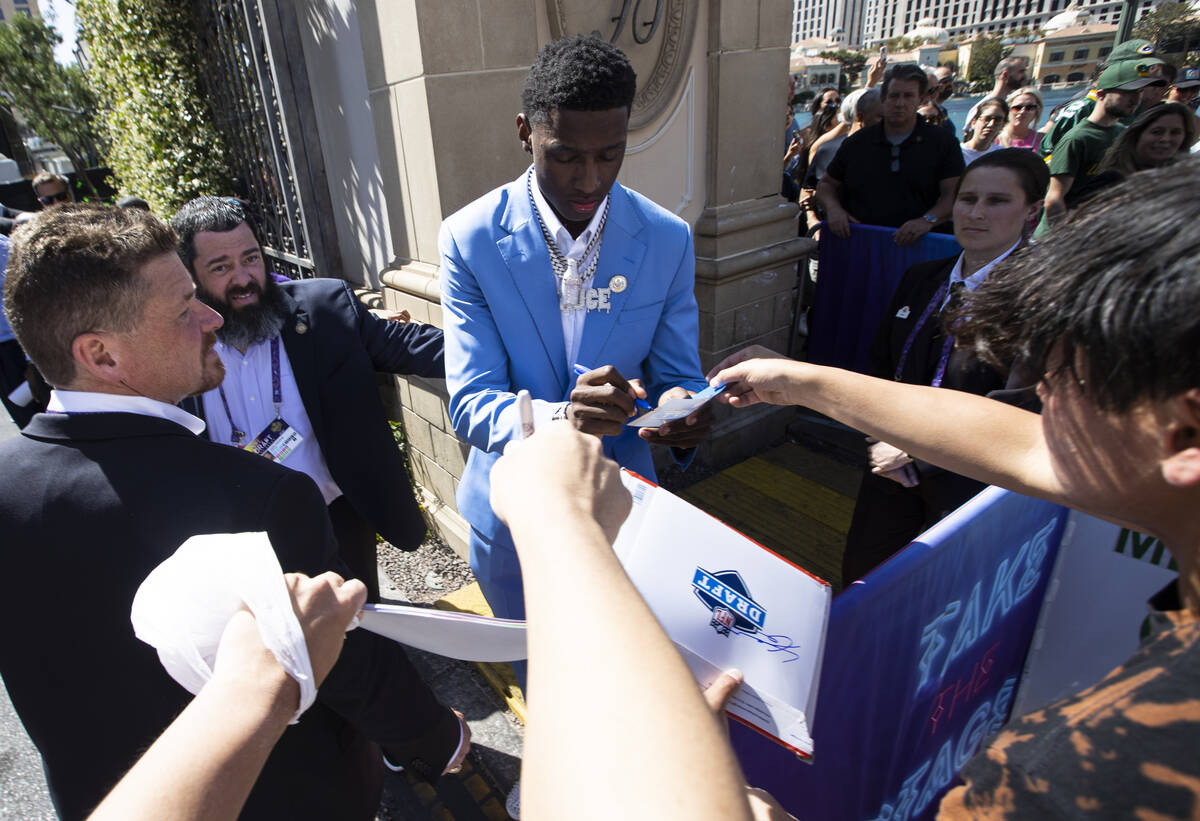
point(253, 324)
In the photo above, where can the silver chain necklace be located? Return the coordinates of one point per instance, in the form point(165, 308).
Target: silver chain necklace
point(566, 271)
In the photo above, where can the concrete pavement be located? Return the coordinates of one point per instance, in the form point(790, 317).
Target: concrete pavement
point(23, 795)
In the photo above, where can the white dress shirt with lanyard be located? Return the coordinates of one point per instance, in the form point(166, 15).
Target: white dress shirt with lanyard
point(941, 298)
point(249, 392)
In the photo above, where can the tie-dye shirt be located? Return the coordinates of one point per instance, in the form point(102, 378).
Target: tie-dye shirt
point(1129, 747)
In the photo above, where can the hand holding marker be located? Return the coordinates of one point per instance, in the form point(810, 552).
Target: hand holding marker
point(640, 404)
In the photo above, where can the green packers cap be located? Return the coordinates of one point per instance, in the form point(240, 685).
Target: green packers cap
point(1128, 76)
point(1131, 50)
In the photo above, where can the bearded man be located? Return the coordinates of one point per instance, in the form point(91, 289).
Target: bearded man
point(300, 361)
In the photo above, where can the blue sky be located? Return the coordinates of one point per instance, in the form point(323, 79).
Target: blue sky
point(61, 15)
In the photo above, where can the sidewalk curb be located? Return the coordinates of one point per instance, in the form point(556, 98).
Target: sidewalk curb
point(499, 675)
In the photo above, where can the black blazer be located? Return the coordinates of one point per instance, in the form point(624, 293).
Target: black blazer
point(915, 290)
point(943, 490)
point(89, 505)
point(335, 346)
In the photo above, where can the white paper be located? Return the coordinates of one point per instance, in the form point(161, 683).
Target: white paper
point(464, 636)
point(666, 544)
point(182, 608)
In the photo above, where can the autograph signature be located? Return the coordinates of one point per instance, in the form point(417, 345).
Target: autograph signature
point(774, 643)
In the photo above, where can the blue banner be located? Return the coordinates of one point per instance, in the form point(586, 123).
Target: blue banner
point(856, 278)
point(922, 660)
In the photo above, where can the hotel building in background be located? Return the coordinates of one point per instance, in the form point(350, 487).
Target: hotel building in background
point(869, 23)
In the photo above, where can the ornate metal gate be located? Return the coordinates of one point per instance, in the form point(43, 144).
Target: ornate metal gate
point(252, 64)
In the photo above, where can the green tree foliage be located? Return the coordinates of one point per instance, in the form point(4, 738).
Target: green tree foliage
point(53, 99)
point(899, 45)
point(852, 63)
point(986, 52)
point(1174, 28)
point(164, 147)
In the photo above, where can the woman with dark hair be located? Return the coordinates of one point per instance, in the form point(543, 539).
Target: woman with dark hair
point(900, 498)
point(824, 110)
point(981, 132)
point(1160, 136)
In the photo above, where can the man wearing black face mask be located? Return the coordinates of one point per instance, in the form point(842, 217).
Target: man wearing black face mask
point(299, 388)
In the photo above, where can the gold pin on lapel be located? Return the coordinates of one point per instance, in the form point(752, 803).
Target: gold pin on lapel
point(301, 328)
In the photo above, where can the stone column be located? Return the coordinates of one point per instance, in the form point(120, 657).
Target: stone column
point(444, 79)
point(747, 246)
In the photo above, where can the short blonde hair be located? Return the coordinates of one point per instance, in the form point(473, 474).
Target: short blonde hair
point(1031, 91)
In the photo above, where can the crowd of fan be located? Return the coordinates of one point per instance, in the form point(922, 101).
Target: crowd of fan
point(1139, 112)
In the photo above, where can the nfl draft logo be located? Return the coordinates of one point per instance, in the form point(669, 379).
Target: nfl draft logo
point(728, 599)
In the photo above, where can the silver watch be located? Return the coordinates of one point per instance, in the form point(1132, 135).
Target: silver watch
point(931, 218)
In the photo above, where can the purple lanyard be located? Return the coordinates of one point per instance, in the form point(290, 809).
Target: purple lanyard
point(947, 346)
point(236, 436)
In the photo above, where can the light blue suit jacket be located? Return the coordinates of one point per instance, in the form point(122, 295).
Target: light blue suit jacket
point(504, 328)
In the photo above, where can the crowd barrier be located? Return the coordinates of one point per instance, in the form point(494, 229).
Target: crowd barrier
point(855, 281)
point(922, 662)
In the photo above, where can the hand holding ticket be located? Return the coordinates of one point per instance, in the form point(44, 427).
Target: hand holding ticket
point(674, 409)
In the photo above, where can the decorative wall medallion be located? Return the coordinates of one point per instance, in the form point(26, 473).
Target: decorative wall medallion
point(656, 35)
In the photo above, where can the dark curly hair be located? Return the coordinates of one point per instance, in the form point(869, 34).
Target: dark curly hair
point(578, 73)
point(1110, 296)
point(219, 214)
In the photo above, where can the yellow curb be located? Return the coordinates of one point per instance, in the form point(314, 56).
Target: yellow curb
point(500, 676)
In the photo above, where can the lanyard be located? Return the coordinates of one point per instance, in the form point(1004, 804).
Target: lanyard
point(947, 345)
point(235, 435)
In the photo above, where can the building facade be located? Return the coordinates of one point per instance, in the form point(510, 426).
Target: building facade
point(809, 70)
point(1071, 55)
point(885, 19)
point(11, 8)
point(840, 21)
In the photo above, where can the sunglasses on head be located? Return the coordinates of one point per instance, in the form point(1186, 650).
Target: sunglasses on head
point(50, 199)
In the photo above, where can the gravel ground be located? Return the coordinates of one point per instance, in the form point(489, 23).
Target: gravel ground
point(426, 574)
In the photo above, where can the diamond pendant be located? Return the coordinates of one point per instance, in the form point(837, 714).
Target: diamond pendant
point(570, 297)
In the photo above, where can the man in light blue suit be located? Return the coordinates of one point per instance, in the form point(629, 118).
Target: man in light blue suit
point(564, 267)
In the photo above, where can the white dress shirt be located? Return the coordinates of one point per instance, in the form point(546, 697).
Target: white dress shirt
point(976, 279)
point(88, 402)
point(248, 389)
point(571, 248)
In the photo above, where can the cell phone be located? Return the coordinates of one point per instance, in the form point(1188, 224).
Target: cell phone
point(883, 53)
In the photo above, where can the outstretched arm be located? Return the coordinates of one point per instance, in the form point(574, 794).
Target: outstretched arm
point(205, 763)
point(975, 436)
point(647, 727)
